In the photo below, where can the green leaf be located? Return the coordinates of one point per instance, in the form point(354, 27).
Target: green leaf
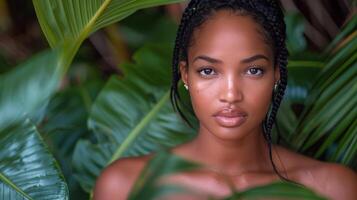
point(286, 122)
point(26, 90)
point(278, 189)
point(163, 163)
point(347, 149)
point(73, 21)
point(301, 75)
point(328, 108)
point(349, 28)
point(65, 124)
point(27, 169)
point(132, 115)
point(326, 126)
point(335, 65)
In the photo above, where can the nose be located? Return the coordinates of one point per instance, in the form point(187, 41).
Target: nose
point(231, 91)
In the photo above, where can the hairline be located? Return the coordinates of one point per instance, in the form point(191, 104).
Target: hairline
point(267, 37)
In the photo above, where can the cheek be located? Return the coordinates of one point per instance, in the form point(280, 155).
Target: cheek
point(259, 99)
point(203, 95)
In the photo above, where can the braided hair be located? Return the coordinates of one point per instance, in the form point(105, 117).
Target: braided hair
point(268, 14)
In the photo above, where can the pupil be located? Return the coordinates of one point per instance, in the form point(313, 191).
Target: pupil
point(253, 70)
point(207, 71)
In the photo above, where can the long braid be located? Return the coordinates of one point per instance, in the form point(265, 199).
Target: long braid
point(174, 94)
point(281, 61)
point(269, 15)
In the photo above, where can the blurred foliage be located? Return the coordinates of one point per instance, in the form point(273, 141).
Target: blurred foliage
point(164, 164)
point(93, 104)
point(28, 170)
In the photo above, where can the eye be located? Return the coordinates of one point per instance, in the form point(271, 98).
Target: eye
point(256, 71)
point(207, 72)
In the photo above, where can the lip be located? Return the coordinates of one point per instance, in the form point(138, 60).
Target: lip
point(230, 117)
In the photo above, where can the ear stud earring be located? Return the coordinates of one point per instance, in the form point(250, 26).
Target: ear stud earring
point(186, 86)
point(276, 85)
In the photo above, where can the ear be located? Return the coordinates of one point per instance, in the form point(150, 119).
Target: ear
point(184, 71)
point(276, 73)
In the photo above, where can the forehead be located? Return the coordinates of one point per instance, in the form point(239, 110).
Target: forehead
point(228, 32)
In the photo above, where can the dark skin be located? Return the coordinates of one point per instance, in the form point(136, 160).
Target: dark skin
point(230, 67)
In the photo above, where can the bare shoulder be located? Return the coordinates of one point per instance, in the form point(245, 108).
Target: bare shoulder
point(116, 180)
point(339, 181)
point(329, 179)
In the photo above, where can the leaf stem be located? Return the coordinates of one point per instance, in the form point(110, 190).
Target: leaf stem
point(7, 181)
point(138, 129)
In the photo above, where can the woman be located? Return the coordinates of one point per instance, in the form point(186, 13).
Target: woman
point(232, 58)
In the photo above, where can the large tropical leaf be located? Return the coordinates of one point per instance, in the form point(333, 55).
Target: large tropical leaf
point(25, 91)
point(67, 23)
point(73, 21)
point(27, 169)
point(65, 123)
point(329, 118)
point(132, 116)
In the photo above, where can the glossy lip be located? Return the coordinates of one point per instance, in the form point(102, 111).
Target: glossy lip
point(230, 117)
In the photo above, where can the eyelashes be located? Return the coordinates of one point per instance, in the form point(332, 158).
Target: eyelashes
point(208, 72)
point(256, 71)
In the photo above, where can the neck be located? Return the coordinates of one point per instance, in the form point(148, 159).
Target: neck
point(247, 154)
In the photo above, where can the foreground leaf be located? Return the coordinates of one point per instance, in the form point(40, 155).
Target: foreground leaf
point(163, 163)
point(277, 190)
point(27, 169)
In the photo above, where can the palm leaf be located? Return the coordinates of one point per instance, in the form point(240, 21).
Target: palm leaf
point(73, 21)
point(336, 93)
point(132, 116)
point(27, 169)
point(301, 75)
point(350, 27)
point(330, 113)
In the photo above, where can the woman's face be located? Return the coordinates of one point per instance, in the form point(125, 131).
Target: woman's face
point(230, 75)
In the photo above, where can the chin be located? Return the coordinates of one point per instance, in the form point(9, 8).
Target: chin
point(228, 133)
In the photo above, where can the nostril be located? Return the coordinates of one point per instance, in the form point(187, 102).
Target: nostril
point(231, 96)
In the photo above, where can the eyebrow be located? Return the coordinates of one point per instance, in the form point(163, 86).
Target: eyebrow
point(208, 59)
point(253, 58)
point(245, 60)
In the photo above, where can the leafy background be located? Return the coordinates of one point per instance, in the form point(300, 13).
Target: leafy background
point(78, 89)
